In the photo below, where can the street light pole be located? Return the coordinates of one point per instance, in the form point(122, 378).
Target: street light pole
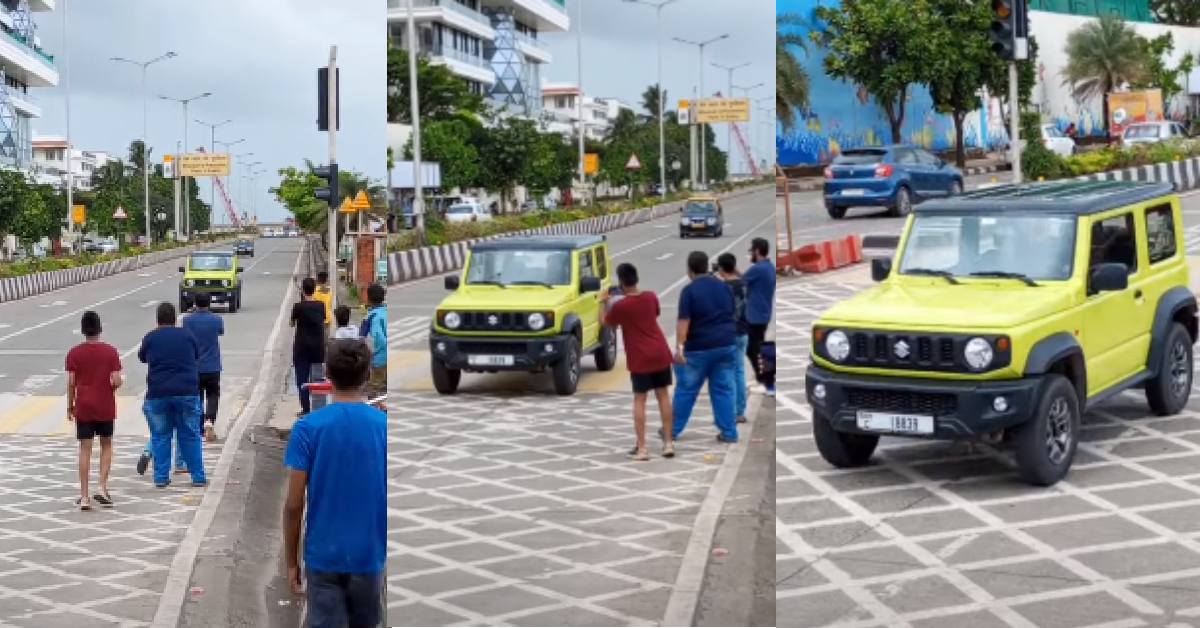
point(418, 204)
point(579, 98)
point(729, 125)
point(70, 151)
point(187, 204)
point(662, 144)
point(212, 148)
point(703, 140)
point(145, 135)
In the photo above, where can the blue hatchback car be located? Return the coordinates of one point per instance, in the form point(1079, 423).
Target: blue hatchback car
point(894, 177)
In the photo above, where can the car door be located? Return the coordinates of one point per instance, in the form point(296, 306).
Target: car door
point(938, 175)
point(588, 305)
point(906, 160)
point(1115, 343)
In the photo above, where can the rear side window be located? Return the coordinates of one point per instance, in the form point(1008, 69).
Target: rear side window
point(907, 157)
point(586, 267)
point(1160, 233)
point(601, 263)
point(861, 156)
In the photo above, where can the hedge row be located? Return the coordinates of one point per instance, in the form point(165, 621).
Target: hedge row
point(1038, 163)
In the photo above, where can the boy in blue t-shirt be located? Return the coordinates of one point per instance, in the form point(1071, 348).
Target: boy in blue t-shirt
point(374, 329)
point(337, 457)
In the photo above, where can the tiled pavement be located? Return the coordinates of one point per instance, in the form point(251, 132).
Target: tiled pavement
point(523, 510)
point(60, 567)
point(936, 534)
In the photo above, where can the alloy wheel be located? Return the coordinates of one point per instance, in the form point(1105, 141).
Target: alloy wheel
point(1180, 373)
point(1058, 431)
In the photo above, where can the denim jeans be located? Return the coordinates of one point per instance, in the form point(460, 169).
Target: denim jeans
point(303, 376)
point(178, 417)
point(739, 377)
point(717, 367)
point(337, 600)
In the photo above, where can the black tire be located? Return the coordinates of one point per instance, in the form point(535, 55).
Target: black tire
point(1169, 391)
point(234, 303)
point(567, 370)
point(841, 449)
point(835, 212)
point(445, 379)
point(682, 235)
point(606, 353)
point(903, 205)
point(1045, 444)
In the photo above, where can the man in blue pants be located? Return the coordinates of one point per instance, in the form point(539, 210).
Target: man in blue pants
point(172, 405)
point(706, 349)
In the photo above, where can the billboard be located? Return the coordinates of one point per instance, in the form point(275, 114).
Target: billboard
point(716, 110)
point(1126, 108)
point(204, 165)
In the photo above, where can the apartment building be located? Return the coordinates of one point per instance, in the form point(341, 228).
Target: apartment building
point(560, 111)
point(24, 67)
point(49, 165)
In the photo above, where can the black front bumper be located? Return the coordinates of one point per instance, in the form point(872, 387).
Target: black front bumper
point(961, 409)
point(245, 251)
point(706, 229)
point(218, 295)
point(528, 354)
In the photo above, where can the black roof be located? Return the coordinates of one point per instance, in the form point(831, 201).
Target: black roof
point(539, 243)
point(1070, 197)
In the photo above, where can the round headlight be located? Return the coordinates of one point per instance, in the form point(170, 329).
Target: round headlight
point(978, 353)
point(712, 221)
point(837, 345)
point(536, 321)
point(452, 320)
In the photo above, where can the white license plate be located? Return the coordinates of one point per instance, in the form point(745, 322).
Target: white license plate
point(895, 423)
point(490, 360)
point(853, 192)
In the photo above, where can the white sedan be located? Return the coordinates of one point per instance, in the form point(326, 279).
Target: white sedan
point(467, 212)
point(1056, 141)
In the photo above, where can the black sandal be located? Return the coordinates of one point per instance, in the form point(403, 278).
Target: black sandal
point(103, 499)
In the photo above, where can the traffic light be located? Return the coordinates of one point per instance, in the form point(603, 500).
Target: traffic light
point(1003, 30)
point(329, 175)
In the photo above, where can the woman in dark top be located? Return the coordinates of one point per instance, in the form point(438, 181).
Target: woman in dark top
point(308, 348)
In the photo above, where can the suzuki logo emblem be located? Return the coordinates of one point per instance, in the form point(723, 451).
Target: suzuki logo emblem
point(901, 349)
point(493, 320)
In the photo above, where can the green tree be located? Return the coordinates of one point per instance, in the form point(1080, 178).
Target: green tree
point(13, 186)
point(650, 99)
point(551, 166)
point(1177, 12)
point(454, 144)
point(506, 154)
point(791, 79)
point(442, 95)
point(35, 220)
point(882, 45)
point(1157, 73)
point(1102, 55)
point(964, 62)
point(297, 192)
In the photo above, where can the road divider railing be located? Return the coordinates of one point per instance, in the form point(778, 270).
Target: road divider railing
point(429, 261)
point(33, 284)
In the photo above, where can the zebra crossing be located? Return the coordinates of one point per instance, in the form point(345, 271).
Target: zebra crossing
point(408, 330)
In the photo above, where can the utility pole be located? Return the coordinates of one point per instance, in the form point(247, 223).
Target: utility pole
point(145, 141)
point(332, 95)
point(703, 140)
point(70, 146)
point(579, 98)
point(187, 204)
point(1015, 120)
point(662, 145)
point(418, 206)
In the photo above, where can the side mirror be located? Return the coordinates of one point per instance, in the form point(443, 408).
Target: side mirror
point(880, 268)
point(1108, 278)
point(181, 269)
point(589, 284)
point(452, 282)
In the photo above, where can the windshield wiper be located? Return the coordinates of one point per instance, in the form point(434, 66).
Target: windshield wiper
point(529, 282)
point(1003, 274)
point(944, 274)
point(487, 283)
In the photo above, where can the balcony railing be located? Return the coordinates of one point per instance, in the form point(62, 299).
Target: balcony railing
point(450, 52)
point(527, 38)
point(457, 7)
point(21, 40)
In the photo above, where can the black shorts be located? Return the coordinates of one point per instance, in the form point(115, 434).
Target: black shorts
point(87, 430)
point(645, 382)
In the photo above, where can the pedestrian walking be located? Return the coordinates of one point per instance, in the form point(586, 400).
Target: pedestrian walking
point(760, 302)
point(93, 376)
point(344, 329)
point(325, 295)
point(207, 328)
point(374, 329)
point(308, 345)
point(706, 349)
point(647, 355)
point(172, 404)
point(727, 271)
point(337, 461)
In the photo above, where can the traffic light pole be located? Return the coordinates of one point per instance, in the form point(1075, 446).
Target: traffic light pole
point(331, 93)
point(1014, 113)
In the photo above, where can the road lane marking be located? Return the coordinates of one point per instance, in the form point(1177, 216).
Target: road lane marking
point(664, 256)
point(149, 304)
point(54, 304)
point(25, 413)
point(81, 310)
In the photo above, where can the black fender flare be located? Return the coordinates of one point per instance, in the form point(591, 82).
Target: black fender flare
point(1175, 299)
point(1054, 348)
point(572, 325)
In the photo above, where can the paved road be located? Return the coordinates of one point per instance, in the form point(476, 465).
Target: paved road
point(938, 534)
point(512, 506)
point(62, 567)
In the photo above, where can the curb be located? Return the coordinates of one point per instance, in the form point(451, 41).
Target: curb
point(405, 266)
point(16, 288)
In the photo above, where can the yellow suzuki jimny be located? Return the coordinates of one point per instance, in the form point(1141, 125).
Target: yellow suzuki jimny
point(1006, 313)
point(525, 304)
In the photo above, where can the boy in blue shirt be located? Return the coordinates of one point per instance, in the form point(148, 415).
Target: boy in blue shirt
point(374, 329)
point(337, 457)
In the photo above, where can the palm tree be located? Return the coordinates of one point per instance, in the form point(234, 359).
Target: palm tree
point(650, 99)
point(1102, 55)
point(791, 80)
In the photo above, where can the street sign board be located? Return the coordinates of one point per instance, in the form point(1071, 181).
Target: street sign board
point(347, 206)
point(169, 166)
point(120, 213)
point(716, 110)
point(402, 175)
point(685, 112)
point(591, 163)
point(361, 201)
point(78, 214)
point(633, 163)
point(204, 165)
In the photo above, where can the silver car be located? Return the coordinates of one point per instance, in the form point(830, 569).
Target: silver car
point(1152, 132)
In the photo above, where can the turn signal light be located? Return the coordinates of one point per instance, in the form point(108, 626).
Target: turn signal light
point(884, 171)
point(1002, 344)
point(819, 335)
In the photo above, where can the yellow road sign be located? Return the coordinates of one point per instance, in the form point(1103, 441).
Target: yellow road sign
point(347, 206)
point(685, 104)
point(78, 214)
point(361, 201)
point(591, 163)
point(712, 110)
point(204, 165)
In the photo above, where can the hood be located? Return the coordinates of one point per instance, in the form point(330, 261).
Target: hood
point(209, 274)
point(510, 299)
point(971, 305)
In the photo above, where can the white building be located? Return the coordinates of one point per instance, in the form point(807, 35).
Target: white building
point(492, 44)
point(24, 67)
point(560, 111)
point(50, 162)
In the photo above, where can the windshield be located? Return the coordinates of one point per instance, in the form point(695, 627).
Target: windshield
point(860, 157)
point(706, 208)
point(210, 262)
point(1039, 247)
point(520, 267)
point(1142, 130)
point(1052, 131)
point(460, 209)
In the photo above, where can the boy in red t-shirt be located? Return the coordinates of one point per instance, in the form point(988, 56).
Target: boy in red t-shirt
point(93, 377)
point(647, 355)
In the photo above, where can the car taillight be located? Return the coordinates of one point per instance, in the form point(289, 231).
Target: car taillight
point(883, 171)
point(828, 173)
